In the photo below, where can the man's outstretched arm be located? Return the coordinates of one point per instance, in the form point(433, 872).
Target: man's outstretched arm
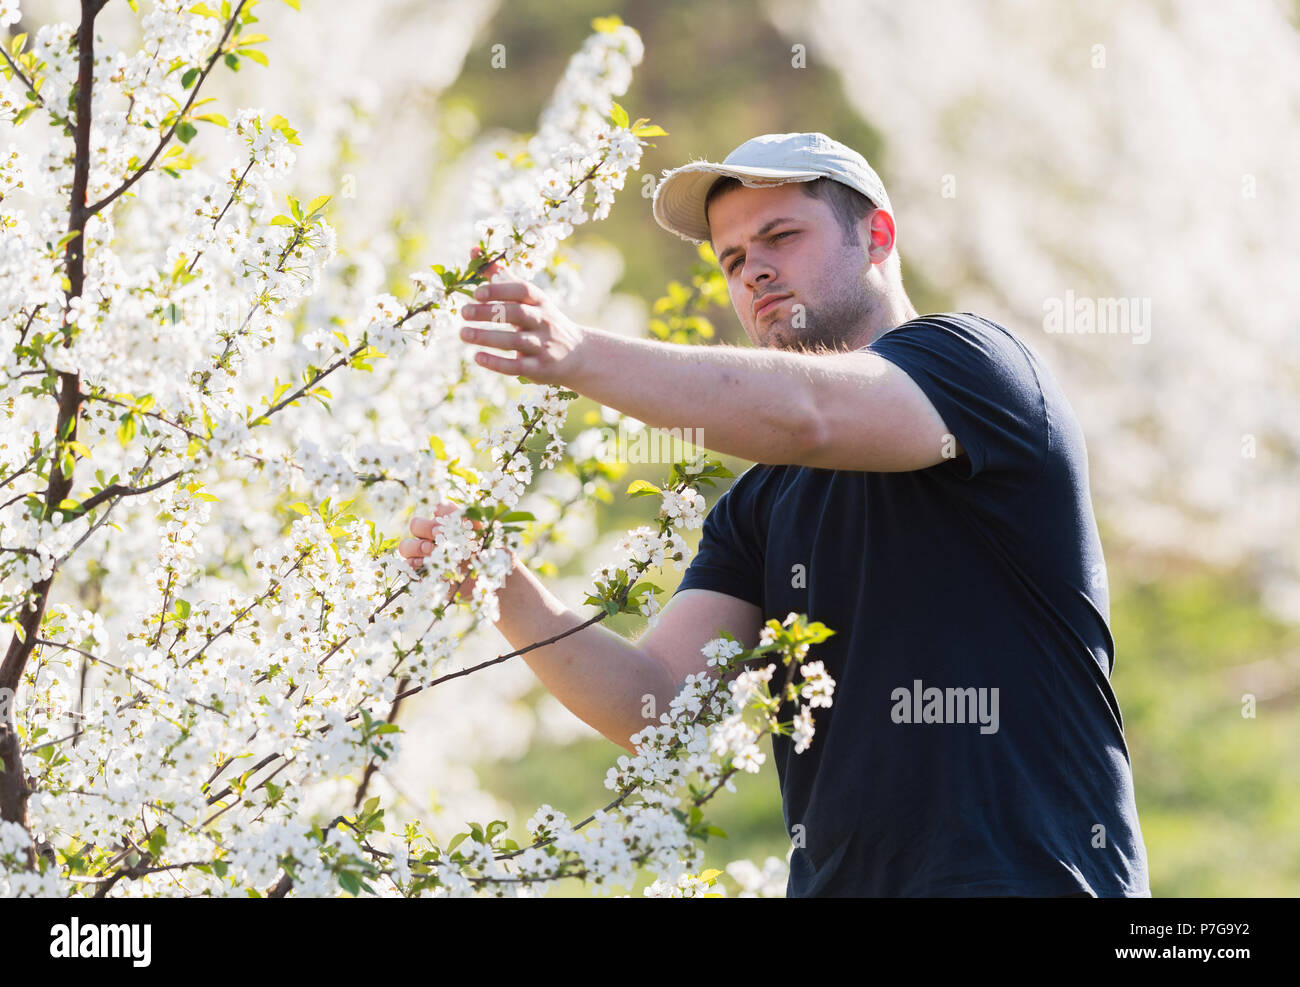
point(854, 411)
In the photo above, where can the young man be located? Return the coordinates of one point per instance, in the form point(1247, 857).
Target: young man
point(920, 487)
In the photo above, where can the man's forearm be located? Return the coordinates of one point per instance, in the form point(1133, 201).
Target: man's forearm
point(755, 404)
point(598, 675)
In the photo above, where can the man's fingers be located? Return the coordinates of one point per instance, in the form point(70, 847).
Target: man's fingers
point(415, 547)
point(503, 339)
point(503, 313)
point(510, 291)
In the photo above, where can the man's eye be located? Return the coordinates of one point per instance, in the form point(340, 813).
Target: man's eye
point(731, 268)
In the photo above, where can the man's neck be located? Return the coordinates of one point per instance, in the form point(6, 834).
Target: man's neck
point(891, 315)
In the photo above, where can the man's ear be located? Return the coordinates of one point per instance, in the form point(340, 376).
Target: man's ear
point(880, 235)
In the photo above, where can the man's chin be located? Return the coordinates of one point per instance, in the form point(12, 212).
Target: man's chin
point(777, 337)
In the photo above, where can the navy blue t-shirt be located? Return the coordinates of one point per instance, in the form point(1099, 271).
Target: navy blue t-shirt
point(974, 745)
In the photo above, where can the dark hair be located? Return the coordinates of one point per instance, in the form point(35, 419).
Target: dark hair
point(848, 204)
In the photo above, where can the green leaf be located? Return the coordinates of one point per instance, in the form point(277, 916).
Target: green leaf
point(279, 123)
point(642, 488)
point(185, 131)
point(157, 840)
point(618, 115)
point(650, 130)
point(188, 78)
point(255, 55)
point(460, 471)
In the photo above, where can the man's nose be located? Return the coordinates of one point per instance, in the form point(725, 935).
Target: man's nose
point(757, 272)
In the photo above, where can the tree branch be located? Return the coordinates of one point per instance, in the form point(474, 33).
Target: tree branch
point(14, 791)
point(162, 143)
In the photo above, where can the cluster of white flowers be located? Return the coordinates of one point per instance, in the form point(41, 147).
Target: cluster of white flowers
point(818, 686)
point(739, 739)
point(767, 882)
point(687, 507)
point(750, 682)
point(686, 886)
point(720, 651)
point(380, 321)
point(645, 547)
point(227, 671)
point(268, 145)
point(803, 729)
point(547, 819)
point(14, 840)
point(767, 635)
point(325, 470)
point(532, 210)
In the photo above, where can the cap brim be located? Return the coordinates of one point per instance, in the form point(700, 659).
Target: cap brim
point(679, 199)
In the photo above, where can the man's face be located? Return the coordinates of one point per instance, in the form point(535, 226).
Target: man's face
point(779, 241)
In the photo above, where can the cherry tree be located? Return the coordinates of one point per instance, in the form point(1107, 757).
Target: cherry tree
point(207, 401)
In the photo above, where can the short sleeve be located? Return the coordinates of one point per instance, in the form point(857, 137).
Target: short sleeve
point(983, 385)
point(730, 555)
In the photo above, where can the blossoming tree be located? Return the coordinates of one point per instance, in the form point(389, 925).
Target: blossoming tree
point(208, 640)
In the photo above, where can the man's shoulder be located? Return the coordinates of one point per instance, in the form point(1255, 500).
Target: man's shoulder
point(956, 327)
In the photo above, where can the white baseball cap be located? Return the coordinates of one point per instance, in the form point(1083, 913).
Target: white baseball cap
point(771, 159)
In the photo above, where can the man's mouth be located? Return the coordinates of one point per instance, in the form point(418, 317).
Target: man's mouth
point(767, 302)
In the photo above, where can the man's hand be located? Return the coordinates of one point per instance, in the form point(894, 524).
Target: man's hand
point(425, 531)
point(550, 345)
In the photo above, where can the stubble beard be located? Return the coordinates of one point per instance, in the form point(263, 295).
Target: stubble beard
point(832, 326)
